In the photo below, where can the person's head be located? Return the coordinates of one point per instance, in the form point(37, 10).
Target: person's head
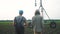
point(37, 12)
point(20, 12)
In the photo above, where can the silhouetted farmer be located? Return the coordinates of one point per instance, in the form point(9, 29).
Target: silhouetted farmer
point(19, 22)
point(37, 23)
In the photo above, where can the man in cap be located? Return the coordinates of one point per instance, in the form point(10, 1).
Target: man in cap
point(19, 23)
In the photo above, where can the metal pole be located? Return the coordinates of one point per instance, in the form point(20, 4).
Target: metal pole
point(40, 7)
point(40, 3)
point(46, 14)
point(35, 3)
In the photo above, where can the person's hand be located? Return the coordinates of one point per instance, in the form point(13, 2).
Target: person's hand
point(14, 24)
point(25, 25)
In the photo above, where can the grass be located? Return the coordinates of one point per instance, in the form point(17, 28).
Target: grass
point(8, 28)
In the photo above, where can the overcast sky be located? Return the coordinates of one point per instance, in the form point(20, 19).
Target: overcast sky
point(10, 8)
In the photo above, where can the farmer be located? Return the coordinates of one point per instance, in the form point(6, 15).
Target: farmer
point(19, 23)
point(37, 23)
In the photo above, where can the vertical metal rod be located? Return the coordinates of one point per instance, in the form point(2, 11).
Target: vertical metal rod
point(40, 7)
point(40, 3)
point(35, 3)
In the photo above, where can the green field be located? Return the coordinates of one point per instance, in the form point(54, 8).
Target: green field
point(8, 28)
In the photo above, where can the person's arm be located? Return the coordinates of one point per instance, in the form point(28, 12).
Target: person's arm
point(25, 22)
point(32, 23)
point(15, 21)
point(42, 22)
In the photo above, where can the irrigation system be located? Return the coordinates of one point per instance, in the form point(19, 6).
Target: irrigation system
point(52, 23)
point(42, 8)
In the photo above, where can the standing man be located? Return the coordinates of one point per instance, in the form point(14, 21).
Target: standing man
point(19, 23)
point(37, 23)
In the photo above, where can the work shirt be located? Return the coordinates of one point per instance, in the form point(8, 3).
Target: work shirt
point(37, 23)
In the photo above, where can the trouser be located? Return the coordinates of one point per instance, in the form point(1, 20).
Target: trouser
point(19, 30)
